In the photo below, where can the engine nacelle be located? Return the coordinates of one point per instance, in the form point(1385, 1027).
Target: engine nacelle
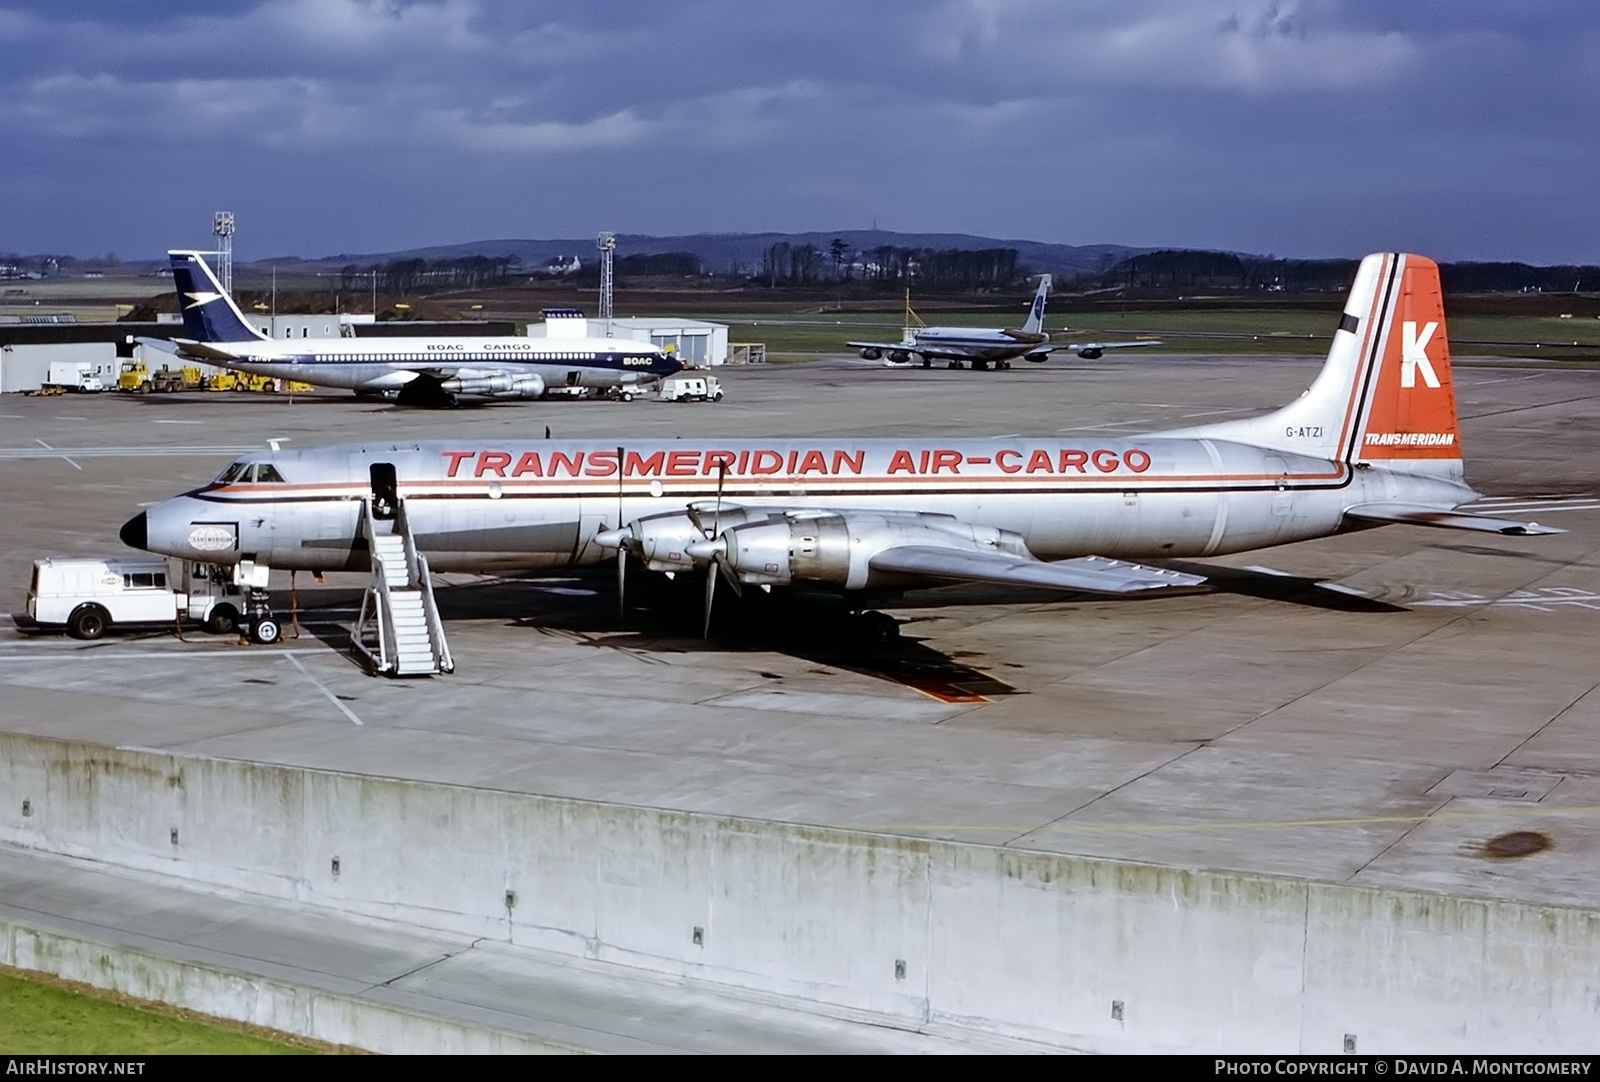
point(1038, 358)
point(836, 549)
point(660, 541)
point(1091, 354)
point(871, 354)
point(499, 384)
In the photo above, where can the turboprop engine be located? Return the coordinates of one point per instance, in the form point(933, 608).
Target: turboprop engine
point(837, 548)
point(499, 384)
point(661, 542)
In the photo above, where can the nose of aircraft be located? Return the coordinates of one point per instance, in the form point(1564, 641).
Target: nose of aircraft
point(136, 532)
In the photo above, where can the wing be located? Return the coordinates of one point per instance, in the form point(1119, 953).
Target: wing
point(1445, 517)
point(1096, 347)
point(884, 345)
point(1093, 574)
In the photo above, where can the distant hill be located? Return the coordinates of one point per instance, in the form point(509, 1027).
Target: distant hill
point(741, 253)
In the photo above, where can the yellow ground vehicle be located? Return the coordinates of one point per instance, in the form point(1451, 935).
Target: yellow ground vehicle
point(243, 381)
point(135, 377)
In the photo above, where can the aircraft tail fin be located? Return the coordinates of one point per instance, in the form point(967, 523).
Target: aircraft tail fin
point(1035, 322)
point(1384, 394)
point(209, 314)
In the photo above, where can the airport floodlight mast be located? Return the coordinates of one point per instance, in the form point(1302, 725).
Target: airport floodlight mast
point(608, 247)
point(222, 226)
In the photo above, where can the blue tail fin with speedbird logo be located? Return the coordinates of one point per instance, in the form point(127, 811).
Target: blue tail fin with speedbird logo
point(209, 314)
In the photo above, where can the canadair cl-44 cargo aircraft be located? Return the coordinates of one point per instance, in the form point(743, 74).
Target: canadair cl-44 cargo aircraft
point(1373, 441)
point(424, 371)
point(983, 346)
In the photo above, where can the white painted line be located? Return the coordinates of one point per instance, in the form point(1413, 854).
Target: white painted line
point(1211, 413)
point(164, 421)
point(82, 652)
point(332, 698)
point(123, 452)
point(1540, 600)
point(47, 447)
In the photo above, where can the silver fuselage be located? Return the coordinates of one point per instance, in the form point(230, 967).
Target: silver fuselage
point(478, 506)
point(380, 364)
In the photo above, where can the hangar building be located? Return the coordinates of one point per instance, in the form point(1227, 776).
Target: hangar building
point(695, 341)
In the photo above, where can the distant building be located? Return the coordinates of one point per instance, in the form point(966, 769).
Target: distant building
point(694, 341)
point(560, 267)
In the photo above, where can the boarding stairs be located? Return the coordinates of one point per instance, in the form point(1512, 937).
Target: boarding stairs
point(398, 631)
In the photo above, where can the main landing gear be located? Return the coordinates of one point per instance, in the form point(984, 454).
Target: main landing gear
point(873, 628)
point(260, 624)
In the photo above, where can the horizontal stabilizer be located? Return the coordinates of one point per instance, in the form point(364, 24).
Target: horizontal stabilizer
point(163, 344)
point(1444, 517)
point(1094, 574)
point(203, 352)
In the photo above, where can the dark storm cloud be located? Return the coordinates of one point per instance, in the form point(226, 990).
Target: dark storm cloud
point(1463, 129)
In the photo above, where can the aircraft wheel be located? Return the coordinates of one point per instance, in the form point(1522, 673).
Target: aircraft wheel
point(88, 622)
point(264, 631)
point(223, 620)
point(877, 628)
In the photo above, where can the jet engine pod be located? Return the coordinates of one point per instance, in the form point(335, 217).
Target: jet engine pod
point(870, 354)
point(1091, 354)
point(1038, 358)
point(499, 384)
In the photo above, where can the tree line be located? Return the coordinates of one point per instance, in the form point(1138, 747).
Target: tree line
point(954, 269)
point(1229, 271)
point(416, 276)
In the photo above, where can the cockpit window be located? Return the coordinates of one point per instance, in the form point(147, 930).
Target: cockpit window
point(246, 472)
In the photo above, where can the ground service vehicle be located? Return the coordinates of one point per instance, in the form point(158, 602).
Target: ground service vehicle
point(244, 381)
point(691, 389)
point(89, 596)
point(137, 378)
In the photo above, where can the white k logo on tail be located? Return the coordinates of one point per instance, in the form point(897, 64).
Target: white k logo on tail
point(1413, 355)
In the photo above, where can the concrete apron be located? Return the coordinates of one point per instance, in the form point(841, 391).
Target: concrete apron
point(1075, 952)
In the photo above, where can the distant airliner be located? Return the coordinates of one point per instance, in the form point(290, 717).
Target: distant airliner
point(424, 371)
point(983, 346)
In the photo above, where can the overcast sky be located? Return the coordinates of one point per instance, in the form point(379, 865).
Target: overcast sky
point(1463, 129)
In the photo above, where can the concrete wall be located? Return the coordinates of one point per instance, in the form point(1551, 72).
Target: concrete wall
point(316, 1013)
point(1024, 944)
